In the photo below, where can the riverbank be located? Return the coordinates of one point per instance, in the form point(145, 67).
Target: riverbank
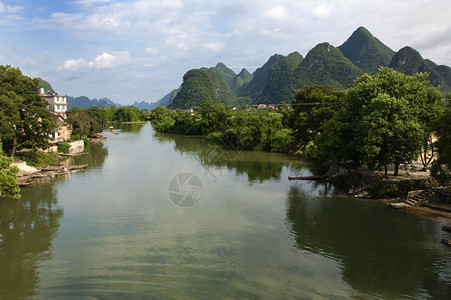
point(412, 190)
point(27, 174)
point(432, 210)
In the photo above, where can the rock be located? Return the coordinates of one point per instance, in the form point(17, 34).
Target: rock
point(399, 205)
point(24, 168)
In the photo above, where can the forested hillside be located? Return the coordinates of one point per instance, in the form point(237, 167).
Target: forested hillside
point(278, 79)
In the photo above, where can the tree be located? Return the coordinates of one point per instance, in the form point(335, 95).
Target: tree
point(312, 107)
point(8, 176)
point(392, 134)
point(441, 168)
point(352, 138)
point(213, 117)
point(24, 120)
point(128, 114)
point(81, 121)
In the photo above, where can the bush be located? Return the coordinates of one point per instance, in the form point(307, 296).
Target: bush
point(37, 158)
point(64, 147)
point(390, 189)
point(440, 172)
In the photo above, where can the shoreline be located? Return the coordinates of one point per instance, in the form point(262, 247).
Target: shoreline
point(422, 211)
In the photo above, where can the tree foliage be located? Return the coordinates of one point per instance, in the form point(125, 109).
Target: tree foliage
point(8, 176)
point(312, 107)
point(241, 129)
point(24, 120)
point(128, 114)
point(390, 110)
point(441, 168)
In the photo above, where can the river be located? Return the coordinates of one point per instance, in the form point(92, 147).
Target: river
point(175, 217)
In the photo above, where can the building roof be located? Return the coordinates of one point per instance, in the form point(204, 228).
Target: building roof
point(59, 120)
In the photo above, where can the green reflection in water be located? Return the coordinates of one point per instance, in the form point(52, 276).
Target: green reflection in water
point(383, 253)
point(253, 234)
point(27, 229)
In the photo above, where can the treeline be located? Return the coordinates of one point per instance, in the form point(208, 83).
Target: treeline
point(242, 129)
point(384, 119)
point(86, 121)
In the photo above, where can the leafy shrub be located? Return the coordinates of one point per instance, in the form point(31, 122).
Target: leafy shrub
point(37, 158)
point(64, 147)
point(390, 189)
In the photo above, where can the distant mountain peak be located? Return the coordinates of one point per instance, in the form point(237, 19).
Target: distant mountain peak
point(365, 51)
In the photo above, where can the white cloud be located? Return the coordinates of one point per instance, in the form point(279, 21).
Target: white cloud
point(74, 64)
point(322, 11)
point(108, 61)
point(169, 37)
point(9, 8)
point(216, 47)
point(90, 2)
point(277, 12)
point(101, 61)
point(151, 50)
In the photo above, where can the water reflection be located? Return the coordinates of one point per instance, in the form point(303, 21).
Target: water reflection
point(97, 152)
point(258, 166)
point(381, 253)
point(27, 229)
point(131, 127)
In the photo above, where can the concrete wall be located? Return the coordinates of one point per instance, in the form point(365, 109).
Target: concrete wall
point(75, 147)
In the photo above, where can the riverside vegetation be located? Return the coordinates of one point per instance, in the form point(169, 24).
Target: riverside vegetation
point(384, 119)
point(26, 124)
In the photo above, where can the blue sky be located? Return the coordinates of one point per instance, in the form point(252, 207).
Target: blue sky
point(138, 50)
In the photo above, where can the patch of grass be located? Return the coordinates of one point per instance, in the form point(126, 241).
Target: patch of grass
point(37, 158)
point(63, 147)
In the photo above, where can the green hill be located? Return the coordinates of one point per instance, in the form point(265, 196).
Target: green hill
point(279, 78)
point(280, 85)
point(243, 78)
point(409, 61)
point(46, 86)
point(197, 88)
point(365, 51)
point(228, 74)
point(445, 72)
point(326, 65)
point(260, 78)
point(221, 87)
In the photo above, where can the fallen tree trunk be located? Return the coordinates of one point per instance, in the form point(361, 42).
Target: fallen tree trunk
point(73, 154)
point(446, 242)
point(311, 177)
point(62, 168)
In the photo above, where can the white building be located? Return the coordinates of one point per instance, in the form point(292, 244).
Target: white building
point(57, 103)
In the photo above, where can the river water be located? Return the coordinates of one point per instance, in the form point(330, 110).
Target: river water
point(174, 217)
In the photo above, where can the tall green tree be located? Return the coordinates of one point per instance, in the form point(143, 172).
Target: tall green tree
point(351, 137)
point(392, 134)
point(441, 168)
point(8, 176)
point(128, 114)
point(312, 107)
point(24, 120)
point(82, 122)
